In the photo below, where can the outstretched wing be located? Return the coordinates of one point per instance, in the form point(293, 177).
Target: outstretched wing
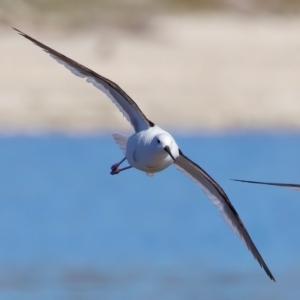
point(288, 185)
point(125, 104)
point(218, 197)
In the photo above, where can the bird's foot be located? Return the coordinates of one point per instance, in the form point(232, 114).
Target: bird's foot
point(115, 166)
point(115, 172)
point(115, 169)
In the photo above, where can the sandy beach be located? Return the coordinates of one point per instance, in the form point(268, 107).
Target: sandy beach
point(189, 73)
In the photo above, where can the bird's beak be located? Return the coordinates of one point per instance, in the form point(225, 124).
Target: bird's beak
point(167, 149)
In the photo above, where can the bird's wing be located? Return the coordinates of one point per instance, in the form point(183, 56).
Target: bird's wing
point(288, 185)
point(218, 197)
point(125, 104)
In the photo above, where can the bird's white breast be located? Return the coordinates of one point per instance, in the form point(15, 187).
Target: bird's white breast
point(143, 153)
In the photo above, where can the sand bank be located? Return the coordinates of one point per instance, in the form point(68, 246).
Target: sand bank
point(204, 72)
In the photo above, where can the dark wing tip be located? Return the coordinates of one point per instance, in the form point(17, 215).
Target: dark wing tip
point(256, 182)
point(272, 277)
point(269, 274)
point(240, 180)
point(264, 266)
point(288, 185)
point(17, 30)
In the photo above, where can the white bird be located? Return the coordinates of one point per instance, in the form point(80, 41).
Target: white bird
point(287, 185)
point(151, 149)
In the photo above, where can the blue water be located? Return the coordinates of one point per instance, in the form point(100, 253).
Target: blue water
point(70, 230)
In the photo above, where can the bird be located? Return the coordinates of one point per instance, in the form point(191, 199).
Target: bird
point(151, 149)
point(287, 185)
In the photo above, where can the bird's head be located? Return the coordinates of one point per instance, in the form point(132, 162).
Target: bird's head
point(167, 143)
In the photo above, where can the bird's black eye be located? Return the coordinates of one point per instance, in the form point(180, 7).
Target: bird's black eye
point(158, 141)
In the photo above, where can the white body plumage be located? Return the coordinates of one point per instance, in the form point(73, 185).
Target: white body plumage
point(145, 150)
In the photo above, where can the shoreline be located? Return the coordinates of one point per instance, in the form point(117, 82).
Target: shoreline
point(205, 72)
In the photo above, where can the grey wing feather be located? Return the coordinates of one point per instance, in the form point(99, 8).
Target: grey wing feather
point(218, 197)
point(124, 103)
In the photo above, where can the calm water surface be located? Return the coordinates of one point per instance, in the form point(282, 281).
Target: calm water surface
point(70, 230)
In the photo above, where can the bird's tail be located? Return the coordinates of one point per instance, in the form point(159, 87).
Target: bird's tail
point(121, 140)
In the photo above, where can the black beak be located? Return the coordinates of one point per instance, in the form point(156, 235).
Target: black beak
point(167, 149)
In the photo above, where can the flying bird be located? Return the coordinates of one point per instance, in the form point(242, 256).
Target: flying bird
point(287, 185)
point(152, 149)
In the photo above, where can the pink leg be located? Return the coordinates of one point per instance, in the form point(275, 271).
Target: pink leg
point(115, 168)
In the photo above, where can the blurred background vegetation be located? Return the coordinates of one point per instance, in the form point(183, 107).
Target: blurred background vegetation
point(127, 14)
